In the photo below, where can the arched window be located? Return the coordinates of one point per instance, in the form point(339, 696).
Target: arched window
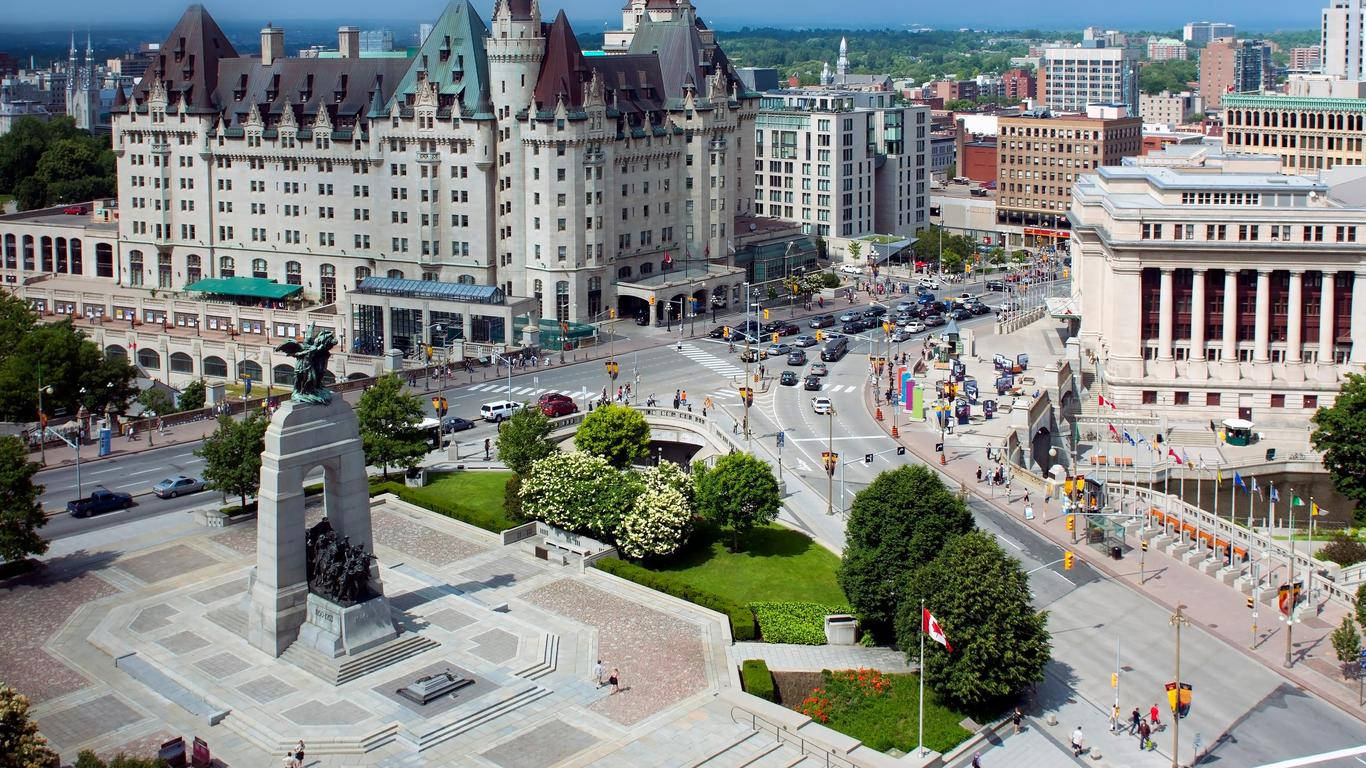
point(11, 252)
point(104, 260)
point(114, 350)
point(181, 363)
point(258, 268)
point(465, 280)
point(47, 253)
point(249, 368)
point(135, 268)
point(327, 283)
point(194, 269)
point(216, 367)
point(61, 266)
point(77, 264)
point(395, 274)
point(361, 274)
point(226, 266)
point(294, 273)
point(28, 253)
point(283, 374)
point(562, 300)
point(149, 359)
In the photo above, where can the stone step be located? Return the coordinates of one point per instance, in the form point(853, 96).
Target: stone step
point(491, 711)
point(346, 669)
point(549, 661)
point(1191, 437)
point(741, 747)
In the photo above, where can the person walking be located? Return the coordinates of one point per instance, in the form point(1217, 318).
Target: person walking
point(1114, 715)
point(1153, 718)
point(597, 673)
point(615, 681)
point(979, 473)
point(1015, 718)
point(299, 752)
point(1143, 733)
point(487, 444)
point(1135, 719)
point(1078, 742)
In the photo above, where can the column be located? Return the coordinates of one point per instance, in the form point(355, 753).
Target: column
point(1164, 320)
point(1326, 320)
point(1230, 346)
point(1293, 331)
point(1262, 336)
point(1197, 351)
point(1358, 318)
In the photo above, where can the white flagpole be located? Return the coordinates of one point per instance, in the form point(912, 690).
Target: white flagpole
point(1250, 505)
point(1233, 511)
point(921, 738)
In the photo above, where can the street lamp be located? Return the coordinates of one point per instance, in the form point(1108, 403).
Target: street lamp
point(1177, 620)
point(831, 459)
point(42, 420)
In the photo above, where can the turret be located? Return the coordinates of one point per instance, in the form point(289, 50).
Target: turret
point(515, 48)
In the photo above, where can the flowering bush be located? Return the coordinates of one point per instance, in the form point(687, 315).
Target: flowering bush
point(659, 519)
point(816, 706)
point(578, 492)
point(852, 685)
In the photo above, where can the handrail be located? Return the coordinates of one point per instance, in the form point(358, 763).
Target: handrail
point(783, 735)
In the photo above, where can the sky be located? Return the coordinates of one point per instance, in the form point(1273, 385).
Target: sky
point(997, 14)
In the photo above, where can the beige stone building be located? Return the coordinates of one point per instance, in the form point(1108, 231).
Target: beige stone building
point(1308, 134)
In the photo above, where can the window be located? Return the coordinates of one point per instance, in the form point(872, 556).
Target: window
point(1150, 397)
point(1211, 399)
point(1311, 401)
point(1278, 401)
point(1181, 398)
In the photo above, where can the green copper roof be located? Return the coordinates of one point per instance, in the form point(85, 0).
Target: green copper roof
point(1259, 101)
point(253, 287)
point(454, 58)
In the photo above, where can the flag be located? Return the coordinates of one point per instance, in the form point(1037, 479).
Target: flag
point(1185, 457)
point(1218, 476)
point(1104, 402)
point(930, 626)
point(1172, 454)
point(1140, 438)
point(1114, 431)
point(1238, 481)
point(1275, 497)
point(1129, 438)
point(1255, 488)
point(1295, 500)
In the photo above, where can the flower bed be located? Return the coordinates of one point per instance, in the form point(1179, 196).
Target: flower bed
point(878, 709)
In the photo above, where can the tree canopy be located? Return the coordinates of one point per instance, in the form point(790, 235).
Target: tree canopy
point(617, 433)
point(898, 523)
point(388, 425)
point(20, 513)
point(53, 162)
point(1169, 75)
point(523, 439)
point(232, 456)
point(1340, 435)
point(738, 493)
point(980, 596)
point(24, 746)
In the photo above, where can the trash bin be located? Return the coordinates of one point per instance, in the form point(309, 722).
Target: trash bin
point(841, 629)
point(1270, 454)
point(1116, 553)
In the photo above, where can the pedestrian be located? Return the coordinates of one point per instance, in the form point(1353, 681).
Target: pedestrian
point(977, 760)
point(684, 396)
point(615, 681)
point(1114, 718)
point(1143, 733)
point(487, 443)
point(979, 473)
point(1135, 720)
point(1152, 716)
point(289, 761)
point(1026, 499)
point(1078, 742)
point(597, 673)
point(299, 752)
point(1015, 718)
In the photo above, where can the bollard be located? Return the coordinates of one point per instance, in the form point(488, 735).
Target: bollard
point(895, 431)
point(878, 415)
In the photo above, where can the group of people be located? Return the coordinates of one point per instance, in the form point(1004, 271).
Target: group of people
point(294, 758)
point(613, 679)
point(1144, 729)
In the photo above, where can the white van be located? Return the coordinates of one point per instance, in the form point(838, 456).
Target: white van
point(498, 410)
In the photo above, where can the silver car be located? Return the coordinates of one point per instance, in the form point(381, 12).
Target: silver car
point(179, 485)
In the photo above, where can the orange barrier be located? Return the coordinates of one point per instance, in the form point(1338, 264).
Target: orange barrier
point(1240, 553)
point(1207, 536)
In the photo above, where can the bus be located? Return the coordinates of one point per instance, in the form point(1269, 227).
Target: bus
point(431, 430)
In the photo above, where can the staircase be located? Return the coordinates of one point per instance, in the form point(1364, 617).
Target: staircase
point(347, 668)
point(757, 749)
point(1191, 437)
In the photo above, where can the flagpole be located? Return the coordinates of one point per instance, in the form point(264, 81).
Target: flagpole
point(1233, 509)
point(920, 739)
point(1309, 580)
point(1250, 506)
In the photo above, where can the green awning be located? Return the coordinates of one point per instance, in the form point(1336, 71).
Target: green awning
point(252, 287)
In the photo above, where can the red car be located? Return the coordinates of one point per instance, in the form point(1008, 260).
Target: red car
point(75, 210)
point(556, 404)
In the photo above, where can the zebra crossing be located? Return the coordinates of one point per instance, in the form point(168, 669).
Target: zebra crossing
point(710, 361)
point(503, 388)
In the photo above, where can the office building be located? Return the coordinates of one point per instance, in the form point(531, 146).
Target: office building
point(1040, 156)
point(1071, 78)
point(954, 90)
point(1233, 66)
point(1202, 32)
point(1307, 134)
point(943, 152)
point(1242, 283)
point(1167, 108)
point(376, 40)
point(842, 164)
point(1165, 49)
point(759, 79)
point(1341, 40)
point(1306, 59)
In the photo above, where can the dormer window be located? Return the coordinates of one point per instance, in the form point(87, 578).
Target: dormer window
point(445, 50)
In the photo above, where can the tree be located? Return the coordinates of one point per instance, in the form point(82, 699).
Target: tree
point(523, 439)
point(48, 163)
point(660, 517)
point(961, 105)
point(738, 493)
point(616, 433)
point(73, 369)
point(1340, 435)
point(855, 249)
point(1361, 605)
point(898, 523)
point(981, 598)
point(1170, 75)
point(579, 492)
point(388, 425)
point(156, 401)
point(192, 396)
point(1346, 645)
point(20, 513)
point(24, 747)
point(232, 456)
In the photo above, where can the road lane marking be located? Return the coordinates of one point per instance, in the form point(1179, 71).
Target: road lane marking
point(826, 439)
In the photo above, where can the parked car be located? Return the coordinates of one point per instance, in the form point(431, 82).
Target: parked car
point(99, 501)
point(788, 379)
point(498, 410)
point(456, 424)
point(179, 485)
point(819, 369)
point(822, 405)
point(812, 384)
point(796, 357)
point(996, 285)
point(779, 349)
point(915, 326)
point(805, 340)
point(822, 321)
point(75, 210)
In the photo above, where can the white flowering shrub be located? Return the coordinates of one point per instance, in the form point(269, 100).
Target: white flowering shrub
point(660, 519)
point(577, 492)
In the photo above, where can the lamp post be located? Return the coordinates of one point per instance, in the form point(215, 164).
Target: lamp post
point(42, 421)
point(830, 460)
point(1177, 620)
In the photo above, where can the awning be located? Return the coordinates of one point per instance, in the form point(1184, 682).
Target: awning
point(251, 287)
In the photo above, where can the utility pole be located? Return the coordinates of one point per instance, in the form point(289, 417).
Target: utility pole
point(830, 460)
point(1177, 620)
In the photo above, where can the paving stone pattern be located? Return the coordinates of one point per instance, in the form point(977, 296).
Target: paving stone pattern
point(314, 712)
point(165, 563)
point(182, 642)
point(495, 646)
point(504, 572)
point(449, 619)
point(266, 689)
point(32, 609)
point(88, 720)
point(153, 618)
point(223, 665)
point(546, 744)
point(661, 658)
point(412, 538)
point(234, 588)
point(814, 658)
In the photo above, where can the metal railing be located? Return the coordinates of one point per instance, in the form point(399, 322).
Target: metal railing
point(784, 736)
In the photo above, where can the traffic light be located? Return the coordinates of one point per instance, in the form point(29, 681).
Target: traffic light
point(1251, 603)
point(725, 332)
point(652, 301)
point(439, 405)
point(1071, 522)
point(613, 368)
point(830, 460)
point(612, 314)
point(765, 314)
point(774, 338)
point(747, 394)
point(886, 327)
point(819, 336)
point(1068, 560)
point(1143, 544)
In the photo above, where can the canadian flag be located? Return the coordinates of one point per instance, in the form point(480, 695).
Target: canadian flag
point(1104, 402)
point(930, 626)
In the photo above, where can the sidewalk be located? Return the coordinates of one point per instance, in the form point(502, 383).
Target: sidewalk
point(814, 658)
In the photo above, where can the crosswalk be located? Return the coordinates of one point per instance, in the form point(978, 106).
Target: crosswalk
point(710, 361)
point(491, 387)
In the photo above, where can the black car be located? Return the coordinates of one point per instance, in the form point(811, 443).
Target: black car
point(455, 424)
point(718, 332)
point(788, 379)
point(996, 285)
point(796, 357)
point(934, 319)
point(822, 321)
point(788, 329)
point(939, 307)
point(812, 383)
point(853, 327)
point(978, 308)
point(642, 319)
point(875, 311)
point(962, 313)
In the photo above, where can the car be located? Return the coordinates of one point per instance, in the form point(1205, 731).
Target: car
point(456, 424)
point(877, 310)
point(100, 500)
point(851, 315)
point(1009, 306)
point(962, 298)
point(788, 379)
point(822, 405)
point(925, 299)
point(915, 326)
point(978, 308)
point(812, 384)
point(749, 356)
point(904, 306)
point(900, 335)
point(819, 369)
point(853, 327)
point(938, 307)
point(850, 269)
point(559, 407)
point(822, 321)
point(75, 210)
point(498, 410)
point(796, 357)
point(179, 485)
point(929, 282)
point(962, 313)
point(805, 340)
point(934, 320)
point(782, 328)
point(719, 332)
point(779, 349)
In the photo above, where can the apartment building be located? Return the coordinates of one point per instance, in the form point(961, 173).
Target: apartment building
point(1039, 156)
point(1070, 78)
point(842, 163)
point(1242, 283)
point(1306, 58)
point(1202, 32)
point(1233, 66)
point(1165, 49)
point(1018, 85)
point(1341, 40)
point(1167, 108)
point(1307, 134)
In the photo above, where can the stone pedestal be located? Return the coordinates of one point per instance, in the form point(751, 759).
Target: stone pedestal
point(303, 436)
point(334, 630)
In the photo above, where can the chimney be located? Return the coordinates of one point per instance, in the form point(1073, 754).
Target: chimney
point(348, 42)
point(272, 45)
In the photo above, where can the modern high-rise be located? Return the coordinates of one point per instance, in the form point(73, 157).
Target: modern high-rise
point(1233, 66)
point(1201, 32)
point(842, 163)
point(1342, 39)
point(1072, 78)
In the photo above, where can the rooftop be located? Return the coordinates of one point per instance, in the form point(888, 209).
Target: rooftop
point(431, 289)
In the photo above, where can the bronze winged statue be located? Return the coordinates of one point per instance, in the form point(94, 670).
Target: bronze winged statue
point(310, 365)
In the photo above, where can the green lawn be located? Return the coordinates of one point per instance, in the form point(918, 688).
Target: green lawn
point(474, 496)
point(775, 563)
point(889, 720)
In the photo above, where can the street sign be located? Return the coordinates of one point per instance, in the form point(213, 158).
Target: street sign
point(867, 458)
point(782, 438)
point(901, 450)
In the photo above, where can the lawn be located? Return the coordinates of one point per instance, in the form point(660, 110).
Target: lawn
point(473, 496)
point(775, 563)
point(881, 711)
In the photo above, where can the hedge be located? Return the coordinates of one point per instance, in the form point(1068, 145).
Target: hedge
point(794, 622)
point(741, 618)
point(756, 679)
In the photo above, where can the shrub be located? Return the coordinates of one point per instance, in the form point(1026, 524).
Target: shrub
point(1361, 605)
point(741, 618)
point(1343, 550)
point(757, 680)
point(793, 622)
point(512, 498)
point(831, 279)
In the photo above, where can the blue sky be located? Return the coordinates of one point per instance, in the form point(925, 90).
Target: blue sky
point(1046, 14)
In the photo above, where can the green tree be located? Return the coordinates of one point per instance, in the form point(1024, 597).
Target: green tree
point(738, 493)
point(1346, 645)
point(23, 746)
point(660, 517)
point(20, 513)
point(855, 249)
point(1361, 605)
point(388, 425)
point(1170, 75)
point(157, 401)
point(579, 492)
point(616, 433)
point(898, 523)
point(981, 598)
point(73, 369)
point(523, 439)
point(232, 456)
point(192, 396)
point(961, 105)
point(1340, 435)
